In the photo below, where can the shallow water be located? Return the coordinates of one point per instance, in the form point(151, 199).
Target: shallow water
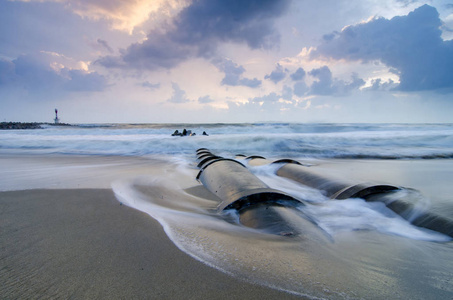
point(345, 249)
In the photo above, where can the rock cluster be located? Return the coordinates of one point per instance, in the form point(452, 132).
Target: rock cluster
point(186, 132)
point(19, 125)
point(27, 125)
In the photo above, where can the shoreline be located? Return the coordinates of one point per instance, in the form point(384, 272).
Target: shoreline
point(66, 234)
point(83, 243)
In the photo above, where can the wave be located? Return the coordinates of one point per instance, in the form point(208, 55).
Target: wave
point(273, 140)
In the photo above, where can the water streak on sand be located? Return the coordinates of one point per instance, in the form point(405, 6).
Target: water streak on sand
point(317, 263)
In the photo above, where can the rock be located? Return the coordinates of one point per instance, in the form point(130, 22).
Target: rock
point(176, 133)
point(186, 132)
point(19, 125)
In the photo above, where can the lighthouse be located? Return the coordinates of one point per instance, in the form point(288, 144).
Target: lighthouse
point(56, 117)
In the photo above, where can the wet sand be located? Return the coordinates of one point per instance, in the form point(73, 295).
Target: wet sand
point(67, 235)
point(83, 244)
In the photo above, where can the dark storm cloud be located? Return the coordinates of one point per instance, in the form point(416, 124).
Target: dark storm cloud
point(277, 75)
point(199, 28)
point(33, 73)
point(233, 74)
point(410, 44)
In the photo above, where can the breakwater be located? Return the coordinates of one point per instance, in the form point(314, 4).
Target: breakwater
point(27, 125)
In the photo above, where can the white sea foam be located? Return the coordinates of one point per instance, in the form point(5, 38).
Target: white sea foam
point(364, 237)
point(294, 140)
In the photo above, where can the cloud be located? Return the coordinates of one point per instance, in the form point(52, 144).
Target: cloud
point(33, 73)
point(179, 95)
point(150, 85)
point(272, 106)
point(199, 28)
point(410, 44)
point(287, 93)
point(105, 45)
point(277, 75)
point(380, 85)
point(327, 85)
point(270, 98)
point(39, 74)
point(252, 83)
point(233, 74)
point(322, 86)
point(274, 101)
point(300, 89)
point(81, 81)
point(205, 99)
point(122, 15)
point(158, 51)
point(298, 75)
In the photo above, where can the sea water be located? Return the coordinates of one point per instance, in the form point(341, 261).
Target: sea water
point(348, 249)
point(381, 141)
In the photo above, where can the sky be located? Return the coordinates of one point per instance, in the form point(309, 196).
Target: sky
point(218, 61)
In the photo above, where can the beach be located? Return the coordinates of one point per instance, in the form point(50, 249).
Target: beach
point(79, 223)
point(82, 243)
point(72, 240)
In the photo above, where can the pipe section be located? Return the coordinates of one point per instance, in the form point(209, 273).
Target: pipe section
point(259, 205)
point(233, 183)
point(273, 218)
point(341, 189)
point(334, 188)
point(406, 207)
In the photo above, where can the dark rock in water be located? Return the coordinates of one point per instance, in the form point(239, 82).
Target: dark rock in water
point(204, 133)
point(176, 133)
point(186, 132)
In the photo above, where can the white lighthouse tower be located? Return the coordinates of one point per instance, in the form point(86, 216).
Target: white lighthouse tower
point(56, 117)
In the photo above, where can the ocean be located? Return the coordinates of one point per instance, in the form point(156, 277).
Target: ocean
point(355, 141)
point(346, 249)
